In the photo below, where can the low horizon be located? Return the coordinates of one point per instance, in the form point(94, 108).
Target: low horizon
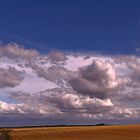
point(69, 62)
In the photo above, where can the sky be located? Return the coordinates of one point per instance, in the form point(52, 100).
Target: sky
point(69, 62)
point(97, 25)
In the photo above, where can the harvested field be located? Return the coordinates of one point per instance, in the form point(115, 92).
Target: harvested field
point(128, 132)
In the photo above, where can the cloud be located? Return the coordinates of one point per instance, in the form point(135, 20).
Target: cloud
point(66, 86)
point(56, 74)
point(17, 51)
point(56, 56)
point(60, 103)
point(10, 77)
point(97, 79)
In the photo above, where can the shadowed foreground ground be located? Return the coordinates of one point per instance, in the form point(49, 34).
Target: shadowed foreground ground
point(129, 132)
point(4, 134)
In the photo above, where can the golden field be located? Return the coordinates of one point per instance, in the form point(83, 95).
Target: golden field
point(126, 132)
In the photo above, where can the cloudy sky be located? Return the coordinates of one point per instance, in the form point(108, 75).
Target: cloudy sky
point(74, 62)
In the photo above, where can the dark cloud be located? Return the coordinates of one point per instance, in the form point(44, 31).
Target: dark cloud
point(54, 73)
point(96, 80)
point(16, 51)
point(56, 56)
point(10, 77)
point(58, 74)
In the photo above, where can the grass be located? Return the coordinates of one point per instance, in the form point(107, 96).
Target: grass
point(127, 132)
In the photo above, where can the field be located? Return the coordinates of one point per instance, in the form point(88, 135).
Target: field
point(128, 132)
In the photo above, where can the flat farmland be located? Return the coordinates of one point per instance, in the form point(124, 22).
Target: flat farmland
point(126, 132)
